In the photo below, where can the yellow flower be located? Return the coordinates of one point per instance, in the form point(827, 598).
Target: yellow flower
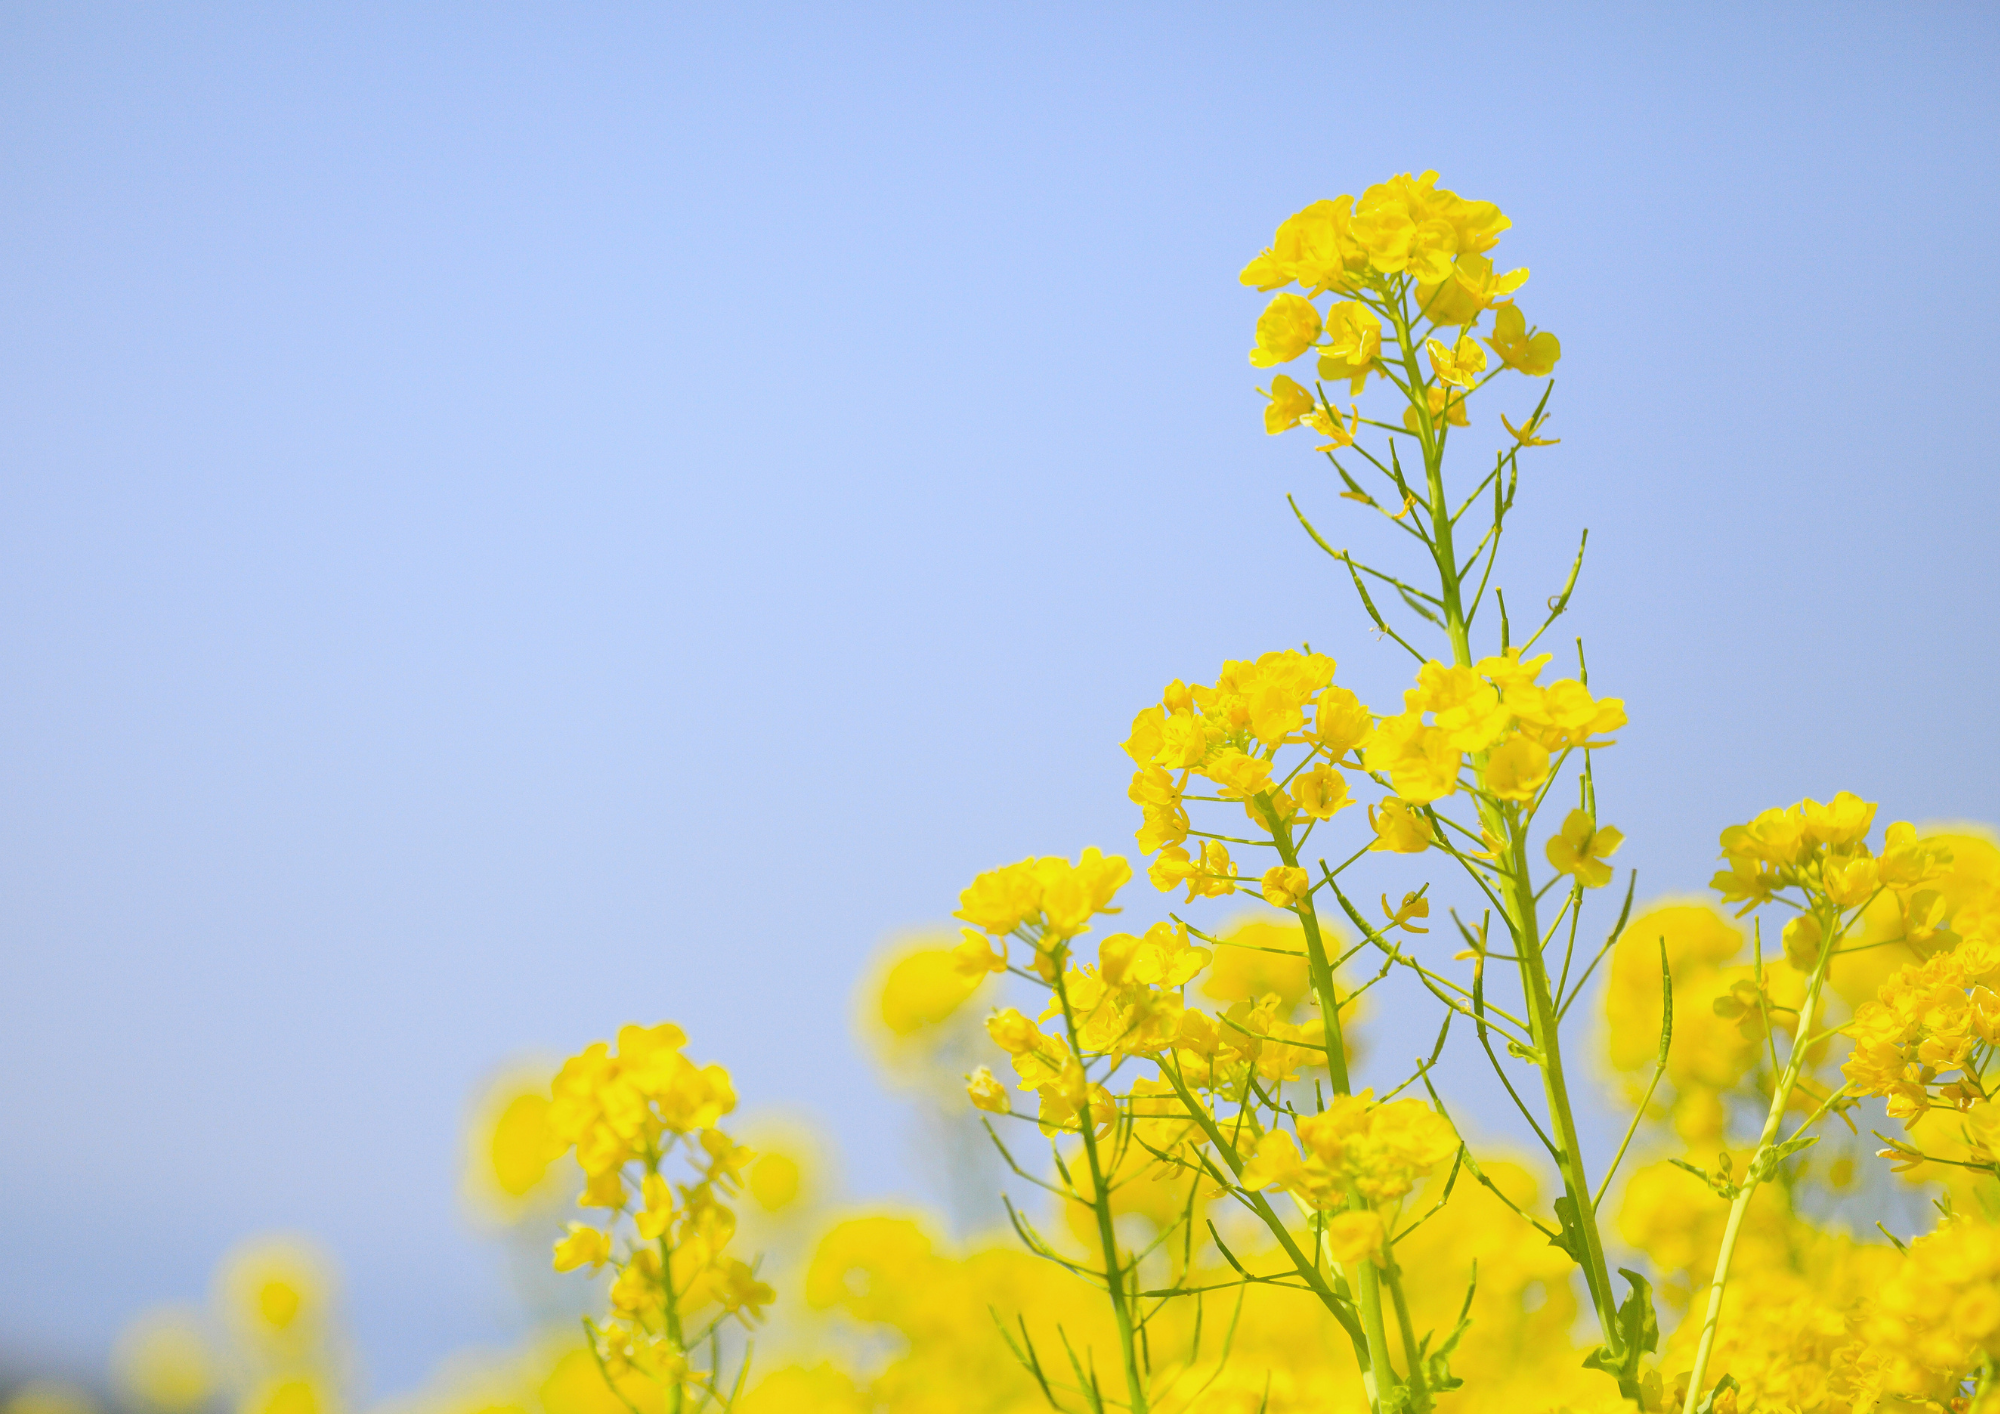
point(975, 955)
point(1515, 769)
point(1171, 868)
point(1581, 848)
point(1357, 1145)
point(986, 1093)
point(1399, 829)
point(1354, 342)
point(1162, 826)
point(1289, 401)
point(1162, 958)
point(1850, 882)
point(1239, 774)
point(1014, 1033)
point(1216, 876)
point(1000, 900)
point(1413, 906)
point(1355, 1237)
point(286, 1394)
point(1313, 247)
point(1843, 822)
point(1528, 433)
point(1460, 365)
point(1564, 714)
point(655, 1214)
point(1383, 227)
point(1274, 1164)
point(165, 1362)
point(1470, 290)
point(1285, 329)
point(928, 984)
point(1321, 792)
point(1059, 895)
point(276, 1291)
point(585, 1246)
point(1447, 407)
point(1340, 721)
point(775, 1182)
point(1329, 424)
point(1285, 886)
point(1148, 736)
point(1532, 354)
point(1420, 760)
point(1801, 939)
point(1777, 836)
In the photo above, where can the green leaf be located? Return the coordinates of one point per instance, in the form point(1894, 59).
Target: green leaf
point(1437, 1365)
point(1637, 1321)
point(1570, 1239)
point(1767, 1160)
point(1638, 1333)
point(1722, 1387)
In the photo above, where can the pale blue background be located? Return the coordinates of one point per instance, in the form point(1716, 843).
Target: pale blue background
point(517, 519)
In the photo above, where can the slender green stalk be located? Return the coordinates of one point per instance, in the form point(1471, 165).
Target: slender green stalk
point(1392, 1277)
point(1762, 1162)
point(1545, 1031)
point(1307, 1270)
point(1518, 899)
point(1367, 1280)
point(1100, 1203)
point(676, 1396)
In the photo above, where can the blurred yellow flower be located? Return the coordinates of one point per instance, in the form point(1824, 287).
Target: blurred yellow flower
point(923, 988)
point(165, 1361)
point(276, 1293)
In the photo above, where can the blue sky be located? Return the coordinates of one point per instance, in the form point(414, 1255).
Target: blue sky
point(518, 519)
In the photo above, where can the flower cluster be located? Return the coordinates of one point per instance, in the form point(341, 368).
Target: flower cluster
point(1823, 850)
point(1492, 716)
point(1938, 1318)
point(1935, 1019)
point(1044, 902)
point(1492, 710)
point(629, 1115)
point(1356, 1153)
point(1404, 240)
point(1229, 735)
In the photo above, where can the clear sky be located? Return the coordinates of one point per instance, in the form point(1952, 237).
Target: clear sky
point(517, 519)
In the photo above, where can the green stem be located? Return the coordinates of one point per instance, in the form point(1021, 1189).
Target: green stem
point(1773, 1120)
point(1544, 1029)
point(1308, 1271)
point(1392, 1277)
point(1367, 1281)
point(676, 1397)
point(1100, 1203)
point(1518, 901)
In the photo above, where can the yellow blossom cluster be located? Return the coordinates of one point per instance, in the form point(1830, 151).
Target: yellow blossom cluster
point(1937, 1318)
point(1044, 900)
point(1354, 1151)
point(1799, 1341)
point(1824, 849)
point(1403, 236)
point(1934, 1019)
point(1492, 710)
point(629, 1115)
